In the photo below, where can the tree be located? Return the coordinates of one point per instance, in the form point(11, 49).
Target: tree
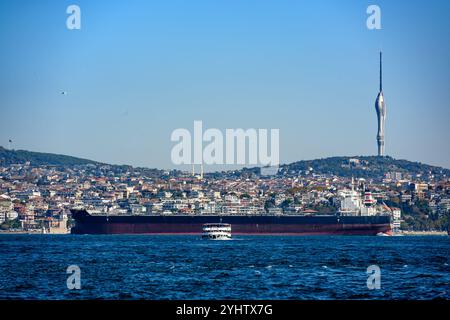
point(11, 224)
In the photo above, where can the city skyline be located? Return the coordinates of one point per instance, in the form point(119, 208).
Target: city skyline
point(135, 73)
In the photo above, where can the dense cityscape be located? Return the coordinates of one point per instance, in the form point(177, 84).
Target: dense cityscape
point(224, 159)
point(38, 198)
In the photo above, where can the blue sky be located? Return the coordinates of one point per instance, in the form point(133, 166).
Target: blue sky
point(137, 70)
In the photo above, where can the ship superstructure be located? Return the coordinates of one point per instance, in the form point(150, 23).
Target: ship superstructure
point(355, 202)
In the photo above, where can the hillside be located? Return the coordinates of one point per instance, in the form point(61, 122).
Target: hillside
point(8, 157)
point(364, 167)
point(371, 167)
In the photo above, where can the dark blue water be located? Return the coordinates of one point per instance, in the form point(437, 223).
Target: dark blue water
point(185, 267)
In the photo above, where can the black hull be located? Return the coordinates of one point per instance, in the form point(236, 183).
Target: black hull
point(241, 225)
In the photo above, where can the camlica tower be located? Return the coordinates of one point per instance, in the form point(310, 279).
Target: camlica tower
point(380, 107)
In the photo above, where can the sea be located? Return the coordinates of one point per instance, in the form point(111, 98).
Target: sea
point(54, 267)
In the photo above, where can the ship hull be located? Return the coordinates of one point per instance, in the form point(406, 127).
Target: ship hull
point(241, 225)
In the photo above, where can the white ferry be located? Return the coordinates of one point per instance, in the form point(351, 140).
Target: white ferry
point(216, 231)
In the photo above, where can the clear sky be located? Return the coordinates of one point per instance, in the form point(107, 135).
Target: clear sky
point(137, 70)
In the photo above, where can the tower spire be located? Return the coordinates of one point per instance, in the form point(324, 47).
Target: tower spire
point(381, 71)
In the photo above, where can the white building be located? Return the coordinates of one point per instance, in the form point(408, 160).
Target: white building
point(396, 218)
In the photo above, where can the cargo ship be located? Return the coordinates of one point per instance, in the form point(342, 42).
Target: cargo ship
point(255, 224)
point(359, 214)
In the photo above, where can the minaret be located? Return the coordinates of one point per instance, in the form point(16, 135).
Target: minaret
point(380, 107)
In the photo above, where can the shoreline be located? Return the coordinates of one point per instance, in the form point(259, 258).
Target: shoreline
point(424, 233)
point(401, 233)
point(28, 232)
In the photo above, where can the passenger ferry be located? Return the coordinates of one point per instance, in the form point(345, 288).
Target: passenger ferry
point(216, 231)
